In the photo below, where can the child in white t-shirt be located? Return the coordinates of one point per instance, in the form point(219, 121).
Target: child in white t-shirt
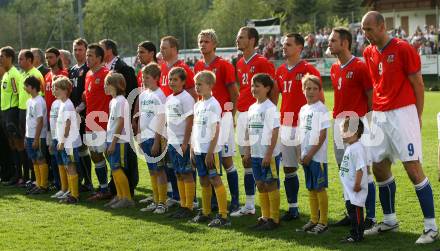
point(151, 123)
point(118, 138)
point(206, 152)
point(354, 177)
point(313, 123)
point(36, 130)
point(264, 150)
point(179, 119)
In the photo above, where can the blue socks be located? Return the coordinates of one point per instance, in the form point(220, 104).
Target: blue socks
point(232, 176)
point(171, 176)
point(101, 173)
point(370, 203)
point(426, 200)
point(291, 185)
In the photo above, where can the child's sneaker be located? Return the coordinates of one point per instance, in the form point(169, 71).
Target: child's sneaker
point(269, 225)
point(218, 221)
point(160, 209)
point(147, 200)
point(112, 201)
point(318, 229)
point(200, 218)
point(149, 208)
point(57, 195)
point(243, 211)
point(309, 225)
point(260, 222)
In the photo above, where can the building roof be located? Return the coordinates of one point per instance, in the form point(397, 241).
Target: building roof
point(399, 5)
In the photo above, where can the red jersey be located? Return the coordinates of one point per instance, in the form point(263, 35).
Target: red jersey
point(164, 76)
point(290, 87)
point(224, 75)
point(350, 82)
point(48, 96)
point(389, 70)
point(245, 71)
point(96, 99)
point(139, 78)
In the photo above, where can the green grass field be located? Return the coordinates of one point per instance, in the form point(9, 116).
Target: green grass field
point(40, 223)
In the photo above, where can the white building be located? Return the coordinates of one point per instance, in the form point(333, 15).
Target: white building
point(406, 14)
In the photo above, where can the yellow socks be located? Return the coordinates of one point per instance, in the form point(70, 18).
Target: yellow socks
point(323, 207)
point(190, 192)
point(182, 194)
point(206, 199)
point(222, 201)
point(314, 206)
point(44, 174)
point(73, 185)
point(264, 204)
point(163, 189)
point(37, 174)
point(122, 181)
point(117, 186)
point(63, 178)
point(153, 179)
point(274, 199)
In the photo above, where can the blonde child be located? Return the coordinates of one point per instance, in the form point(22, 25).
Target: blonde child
point(313, 124)
point(69, 141)
point(118, 138)
point(206, 152)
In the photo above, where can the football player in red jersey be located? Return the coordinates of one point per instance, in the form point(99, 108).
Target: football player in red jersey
point(288, 77)
point(169, 48)
point(352, 93)
point(398, 99)
point(226, 92)
point(146, 53)
point(55, 65)
point(250, 64)
point(97, 108)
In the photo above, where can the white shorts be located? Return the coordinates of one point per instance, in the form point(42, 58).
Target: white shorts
point(227, 136)
point(242, 122)
point(338, 144)
point(95, 141)
point(288, 147)
point(395, 134)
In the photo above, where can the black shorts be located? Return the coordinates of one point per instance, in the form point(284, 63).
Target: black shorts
point(22, 121)
point(10, 118)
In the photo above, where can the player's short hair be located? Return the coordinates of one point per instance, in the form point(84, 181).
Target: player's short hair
point(252, 33)
point(116, 80)
point(63, 83)
point(152, 69)
point(110, 45)
point(149, 46)
point(209, 33)
point(359, 130)
point(99, 52)
point(67, 55)
point(33, 82)
point(264, 79)
point(207, 77)
point(179, 71)
point(80, 41)
point(28, 54)
point(174, 43)
point(344, 34)
point(9, 52)
point(311, 78)
point(299, 40)
point(40, 54)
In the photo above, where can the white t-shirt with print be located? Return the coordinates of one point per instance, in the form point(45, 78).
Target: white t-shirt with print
point(119, 108)
point(178, 108)
point(53, 115)
point(262, 119)
point(67, 112)
point(355, 158)
point(36, 108)
point(151, 104)
point(313, 118)
point(207, 114)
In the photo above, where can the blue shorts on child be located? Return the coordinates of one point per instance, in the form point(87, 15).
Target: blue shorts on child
point(36, 154)
point(266, 174)
point(153, 163)
point(119, 157)
point(68, 156)
point(316, 175)
point(179, 163)
point(203, 170)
